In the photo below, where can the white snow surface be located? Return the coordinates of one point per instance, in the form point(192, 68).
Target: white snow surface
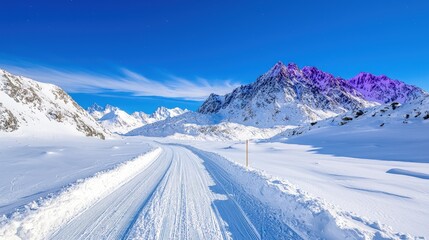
point(41, 218)
point(379, 173)
point(197, 126)
point(178, 191)
point(394, 115)
point(34, 167)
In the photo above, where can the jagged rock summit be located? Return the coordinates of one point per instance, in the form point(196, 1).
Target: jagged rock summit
point(285, 95)
point(289, 95)
point(383, 89)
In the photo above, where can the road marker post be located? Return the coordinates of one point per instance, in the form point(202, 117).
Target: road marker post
point(247, 153)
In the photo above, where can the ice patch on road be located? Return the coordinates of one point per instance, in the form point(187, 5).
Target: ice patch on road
point(39, 219)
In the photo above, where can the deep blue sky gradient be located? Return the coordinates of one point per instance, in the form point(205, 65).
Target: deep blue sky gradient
point(216, 40)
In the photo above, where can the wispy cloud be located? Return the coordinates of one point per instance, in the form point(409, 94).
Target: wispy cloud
point(127, 81)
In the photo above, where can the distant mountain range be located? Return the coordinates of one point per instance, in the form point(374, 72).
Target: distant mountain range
point(31, 108)
point(118, 121)
point(285, 97)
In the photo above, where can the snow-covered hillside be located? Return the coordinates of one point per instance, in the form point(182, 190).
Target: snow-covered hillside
point(388, 115)
point(118, 121)
point(31, 108)
point(162, 113)
point(192, 125)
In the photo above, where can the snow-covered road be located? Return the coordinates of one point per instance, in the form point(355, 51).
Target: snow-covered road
point(183, 205)
point(181, 192)
point(171, 199)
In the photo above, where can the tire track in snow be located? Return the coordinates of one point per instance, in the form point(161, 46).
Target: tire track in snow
point(184, 206)
point(110, 217)
point(266, 223)
point(178, 194)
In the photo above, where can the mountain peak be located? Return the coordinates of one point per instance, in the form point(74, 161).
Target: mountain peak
point(279, 63)
point(369, 77)
point(281, 70)
point(162, 113)
point(292, 66)
point(110, 108)
point(318, 77)
point(95, 108)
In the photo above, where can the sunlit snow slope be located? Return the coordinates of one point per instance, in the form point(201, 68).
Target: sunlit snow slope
point(31, 108)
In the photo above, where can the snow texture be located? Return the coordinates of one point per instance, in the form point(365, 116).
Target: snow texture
point(193, 125)
point(40, 218)
point(178, 191)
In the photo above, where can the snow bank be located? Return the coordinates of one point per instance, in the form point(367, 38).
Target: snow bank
point(39, 219)
point(309, 217)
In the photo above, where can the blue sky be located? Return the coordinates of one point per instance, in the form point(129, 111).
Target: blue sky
point(139, 55)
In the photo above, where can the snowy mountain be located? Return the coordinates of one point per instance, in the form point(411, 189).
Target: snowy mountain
point(163, 113)
point(118, 121)
point(97, 111)
point(392, 115)
point(382, 89)
point(286, 95)
point(28, 107)
point(283, 96)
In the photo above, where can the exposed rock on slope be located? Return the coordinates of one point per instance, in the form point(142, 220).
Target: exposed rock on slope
point(283, 96)
point(289, 95)
point(33, 108)
point(385, 90)
point(387, 115)
point(286, 95)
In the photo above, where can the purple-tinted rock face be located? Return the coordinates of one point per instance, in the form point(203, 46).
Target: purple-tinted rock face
point(287, 94)
point(382, 89)
point(319, 78)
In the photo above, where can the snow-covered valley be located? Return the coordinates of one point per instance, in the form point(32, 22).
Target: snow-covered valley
point(289, 191)
point(329, 159)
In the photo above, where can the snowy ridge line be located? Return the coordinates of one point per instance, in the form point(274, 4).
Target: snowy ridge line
point(309, 217)
point(39, 219)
